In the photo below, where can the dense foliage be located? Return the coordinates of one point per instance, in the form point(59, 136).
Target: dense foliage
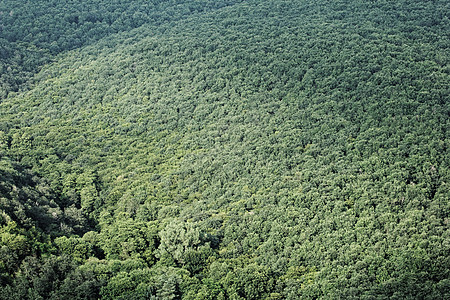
point(31, 31)
point(224, 149)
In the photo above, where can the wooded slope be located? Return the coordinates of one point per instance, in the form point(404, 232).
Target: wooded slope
point(226, 149)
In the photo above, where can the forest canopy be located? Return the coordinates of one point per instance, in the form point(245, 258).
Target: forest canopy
point(224, 149)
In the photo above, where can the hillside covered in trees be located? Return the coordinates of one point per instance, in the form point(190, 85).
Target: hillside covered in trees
point(226, 149)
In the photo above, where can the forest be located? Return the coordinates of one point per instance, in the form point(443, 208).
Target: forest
point(226, 149)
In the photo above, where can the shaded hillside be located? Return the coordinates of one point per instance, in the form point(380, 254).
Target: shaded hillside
point(32, 33)
point(266, 149)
